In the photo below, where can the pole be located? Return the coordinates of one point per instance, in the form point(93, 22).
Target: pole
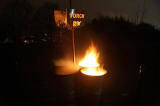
point(73, 40)
point(143, 10)
point(66, 4)
point(70, 4)
point(73, 46)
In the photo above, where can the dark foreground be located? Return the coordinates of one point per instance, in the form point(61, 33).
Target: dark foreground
point(28, 79)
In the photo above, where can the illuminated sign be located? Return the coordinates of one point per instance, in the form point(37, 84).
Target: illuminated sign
point(76, 23)
point(69, 18)
point(76, 15)
point(60, 17)
point(76, 18)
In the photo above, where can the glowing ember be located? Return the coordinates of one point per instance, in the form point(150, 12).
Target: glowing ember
point(90, 63)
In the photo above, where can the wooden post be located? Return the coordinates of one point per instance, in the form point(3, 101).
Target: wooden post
point(73, 46)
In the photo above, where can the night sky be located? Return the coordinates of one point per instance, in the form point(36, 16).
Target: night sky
point(125, 8)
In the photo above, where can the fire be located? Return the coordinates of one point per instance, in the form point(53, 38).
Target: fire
point(90, 65)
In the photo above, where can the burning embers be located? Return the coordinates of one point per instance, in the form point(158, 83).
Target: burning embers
point(90, 65)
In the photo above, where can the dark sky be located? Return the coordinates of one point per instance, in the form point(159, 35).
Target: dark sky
point(126, 8)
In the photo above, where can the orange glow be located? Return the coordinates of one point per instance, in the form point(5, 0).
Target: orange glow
point(90, 65)
point(60, 17)
point(65, 67)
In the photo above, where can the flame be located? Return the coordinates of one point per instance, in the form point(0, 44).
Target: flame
point(90, 59)
point(90, 65)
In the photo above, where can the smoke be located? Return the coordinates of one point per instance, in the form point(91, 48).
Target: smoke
point(65, 67)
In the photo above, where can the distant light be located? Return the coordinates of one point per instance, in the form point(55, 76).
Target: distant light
point(26, 41)
point(45, 34)
point(72, 11)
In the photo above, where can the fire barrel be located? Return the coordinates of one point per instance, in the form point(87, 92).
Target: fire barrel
point(65, 92)
point(88, 89)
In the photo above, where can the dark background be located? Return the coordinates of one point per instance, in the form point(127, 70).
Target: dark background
point(27, 72)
